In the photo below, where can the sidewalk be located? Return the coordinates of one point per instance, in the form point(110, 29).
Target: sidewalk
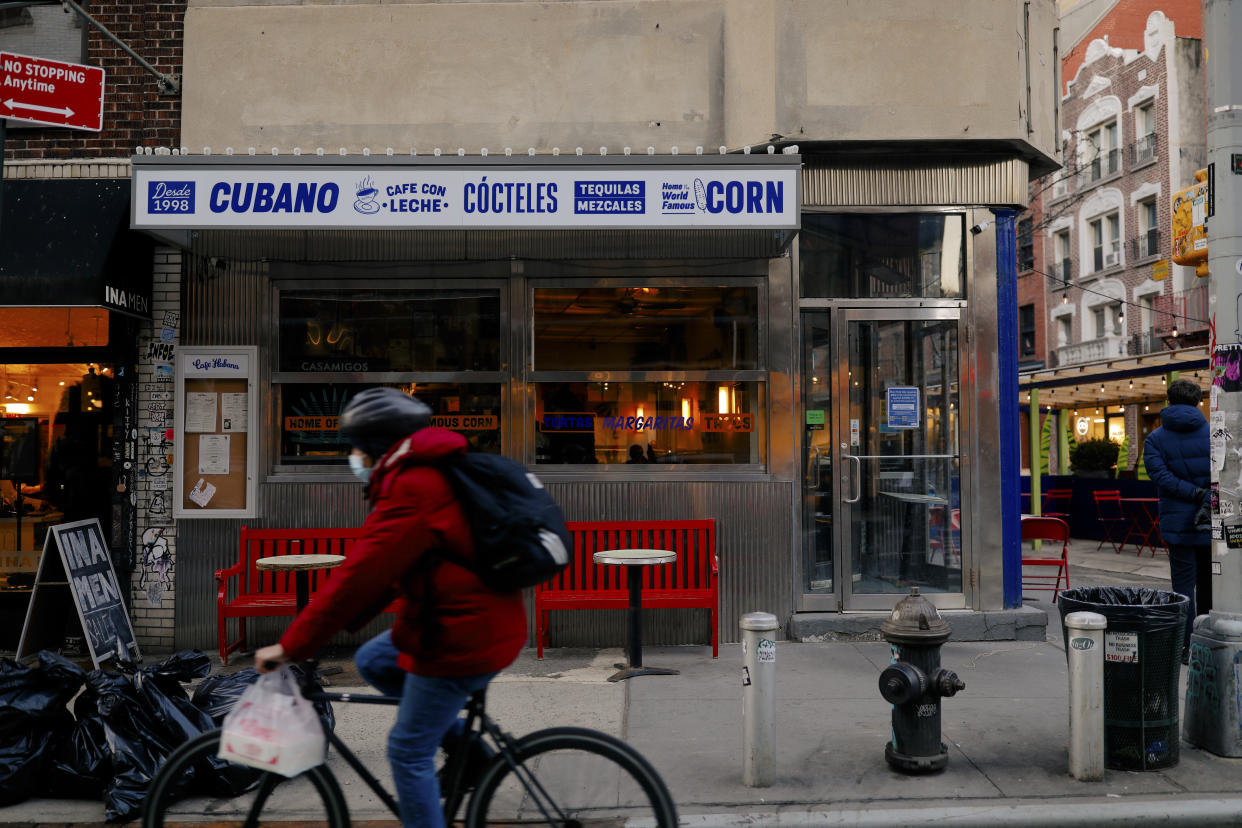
point(1007, 734)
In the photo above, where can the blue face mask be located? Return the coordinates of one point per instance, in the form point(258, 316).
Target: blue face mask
point(360, 471)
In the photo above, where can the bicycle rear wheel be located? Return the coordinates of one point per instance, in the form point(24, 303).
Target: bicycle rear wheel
point(194, 780)
point(566, 776)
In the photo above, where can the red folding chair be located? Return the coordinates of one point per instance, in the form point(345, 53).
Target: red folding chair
point(1057, 503)
point(1046, 529)
point(1111, 516)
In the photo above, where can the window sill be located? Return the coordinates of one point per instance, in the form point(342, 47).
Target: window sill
point(1146, 162)
point(1102, 180)
point(1099, 274)
point(1144, 260)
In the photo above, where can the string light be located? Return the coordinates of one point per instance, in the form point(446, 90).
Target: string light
point(1131, 383)
point(1065, 298)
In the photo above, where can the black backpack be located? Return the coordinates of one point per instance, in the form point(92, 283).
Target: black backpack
point(520, 538)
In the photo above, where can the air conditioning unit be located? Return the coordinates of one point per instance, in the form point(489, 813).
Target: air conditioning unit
point(1110, 259)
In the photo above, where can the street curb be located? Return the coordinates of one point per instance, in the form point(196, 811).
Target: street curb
point(1223, 810)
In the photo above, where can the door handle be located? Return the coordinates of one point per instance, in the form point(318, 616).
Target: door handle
point(857, 479)
point(814, 460)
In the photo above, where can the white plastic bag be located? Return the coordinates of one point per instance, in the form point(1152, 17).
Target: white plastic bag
point(273, 728)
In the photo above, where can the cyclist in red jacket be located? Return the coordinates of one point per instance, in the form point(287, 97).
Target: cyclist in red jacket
point(452, 633)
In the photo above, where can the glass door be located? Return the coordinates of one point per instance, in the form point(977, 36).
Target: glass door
point(898, 510)
point(820, 581)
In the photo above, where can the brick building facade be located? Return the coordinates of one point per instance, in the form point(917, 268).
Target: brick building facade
point(138, 111)
point(1133, 132)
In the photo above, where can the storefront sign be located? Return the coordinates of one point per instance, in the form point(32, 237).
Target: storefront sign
point(466, 422)
point(621, 195)
point(737, 423)
point(215, 365)
point(76, 557)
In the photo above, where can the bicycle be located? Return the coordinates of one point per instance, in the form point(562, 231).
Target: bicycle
point(556, 776)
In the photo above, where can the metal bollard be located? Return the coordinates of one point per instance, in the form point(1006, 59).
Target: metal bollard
point(758, 697)
point(1085, 633)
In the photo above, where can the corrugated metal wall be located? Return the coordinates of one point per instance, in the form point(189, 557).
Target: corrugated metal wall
point(933, 181)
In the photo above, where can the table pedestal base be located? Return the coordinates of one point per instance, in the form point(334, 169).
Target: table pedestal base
point(626, 671)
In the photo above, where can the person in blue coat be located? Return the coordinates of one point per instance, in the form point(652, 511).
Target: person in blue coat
point(1178, 460)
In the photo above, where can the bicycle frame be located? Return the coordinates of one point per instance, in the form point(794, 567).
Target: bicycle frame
point(454, 770)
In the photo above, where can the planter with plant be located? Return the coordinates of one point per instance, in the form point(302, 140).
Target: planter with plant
point(1094, 458)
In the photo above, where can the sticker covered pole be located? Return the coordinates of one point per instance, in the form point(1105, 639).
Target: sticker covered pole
point(758, 697)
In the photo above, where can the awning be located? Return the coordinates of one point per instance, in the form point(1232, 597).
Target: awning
point(67, 243)
point(1116, 381)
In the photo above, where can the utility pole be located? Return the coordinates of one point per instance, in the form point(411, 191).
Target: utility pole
point(1214, 687)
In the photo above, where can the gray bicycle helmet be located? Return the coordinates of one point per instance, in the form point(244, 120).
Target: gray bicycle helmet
point(379, 417)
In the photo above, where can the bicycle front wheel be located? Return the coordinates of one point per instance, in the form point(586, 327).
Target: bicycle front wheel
point(565, 776)
point(194, 781)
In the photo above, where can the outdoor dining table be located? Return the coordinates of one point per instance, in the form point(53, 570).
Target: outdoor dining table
point(634, 560)
point(301, 566)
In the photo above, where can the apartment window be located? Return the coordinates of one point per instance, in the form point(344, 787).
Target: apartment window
point(1098, 316)
point(1106, 241)
point(1026, 245)
point(1101, 157)
point(1026, 330)
point(1145, 134)
point(1118, 316)
point(1147, 311)
point(1065, 330)
point(1061, 246)
point(1149, 232)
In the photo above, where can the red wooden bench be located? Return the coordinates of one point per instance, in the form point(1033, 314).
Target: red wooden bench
point(245, 592)
point(690, 583)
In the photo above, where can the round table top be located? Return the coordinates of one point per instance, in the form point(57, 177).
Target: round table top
point(635, 557)
point(292, 563)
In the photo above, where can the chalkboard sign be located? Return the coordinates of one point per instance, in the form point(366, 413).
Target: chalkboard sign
point(76, 568)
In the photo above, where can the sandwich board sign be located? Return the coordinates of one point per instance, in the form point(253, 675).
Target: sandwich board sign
point(76, 569)
point(51, 92)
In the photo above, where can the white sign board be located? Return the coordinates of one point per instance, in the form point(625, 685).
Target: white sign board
point(755, 195)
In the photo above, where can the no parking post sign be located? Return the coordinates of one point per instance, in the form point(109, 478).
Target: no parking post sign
point(51, 92)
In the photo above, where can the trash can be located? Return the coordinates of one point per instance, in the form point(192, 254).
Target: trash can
point(1142, 662)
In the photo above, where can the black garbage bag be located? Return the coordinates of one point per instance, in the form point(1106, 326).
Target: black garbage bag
point(146, 714)
point(82, 764)
point(34, 720)
point(217, 695)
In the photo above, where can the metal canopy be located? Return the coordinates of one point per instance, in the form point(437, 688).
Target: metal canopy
point(1117, 381)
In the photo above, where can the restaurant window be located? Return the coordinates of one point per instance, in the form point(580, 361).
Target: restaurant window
point(648, 374)
point(883, 255)
point(440, 344)
point(1026, 330)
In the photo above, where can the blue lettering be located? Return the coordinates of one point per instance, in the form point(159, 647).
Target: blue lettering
point(714, 190)
point(284, 199)
point(328, 196)
point(776, 196)
point(733, 196)
point(242, 205)
point(219, 198)
point(263, 197)
point(305, 200)
point(754, 193)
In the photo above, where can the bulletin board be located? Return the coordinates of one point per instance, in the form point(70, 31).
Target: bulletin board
point(216, 418)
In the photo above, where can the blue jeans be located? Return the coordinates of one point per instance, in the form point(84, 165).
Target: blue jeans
point(1190, 571)
point(428, 709)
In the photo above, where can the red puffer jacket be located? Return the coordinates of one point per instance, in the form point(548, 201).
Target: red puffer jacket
point(414, 511)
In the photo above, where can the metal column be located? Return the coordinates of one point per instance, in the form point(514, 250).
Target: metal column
point(1007, 382)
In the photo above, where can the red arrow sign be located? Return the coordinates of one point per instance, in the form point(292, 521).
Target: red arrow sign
point(51, 92)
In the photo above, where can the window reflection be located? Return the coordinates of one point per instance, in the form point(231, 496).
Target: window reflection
point(638, 423)
point(646, 328)
point(883, 255)
point(310, 414)
point(389, 330)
